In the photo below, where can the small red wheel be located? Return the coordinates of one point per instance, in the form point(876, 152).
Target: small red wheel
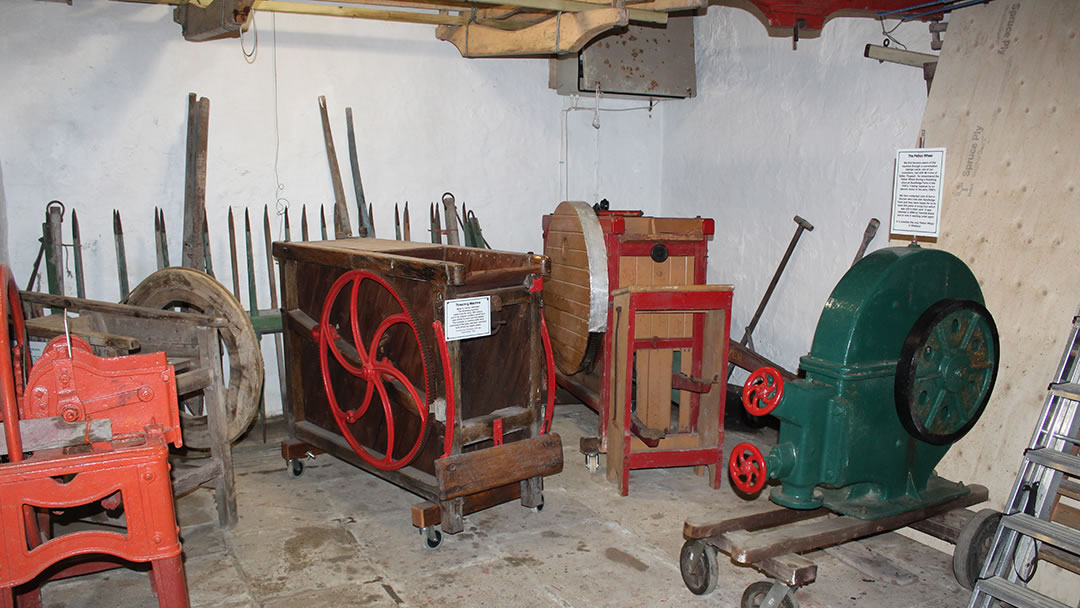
point(764, 386)
point(747, 468)
point(370, 362)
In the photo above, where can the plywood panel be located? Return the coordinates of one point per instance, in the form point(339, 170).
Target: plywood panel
point(1005, 103)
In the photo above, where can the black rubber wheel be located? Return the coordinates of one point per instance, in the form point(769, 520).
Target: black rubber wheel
point(296, 467)
point(699, 567)
point(973, 545)
point(432, 538)
point(756, 592)
point(946, 371)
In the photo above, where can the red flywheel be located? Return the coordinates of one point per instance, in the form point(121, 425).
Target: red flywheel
point(381, 350)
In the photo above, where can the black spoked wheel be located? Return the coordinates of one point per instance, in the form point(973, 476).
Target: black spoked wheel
point(946, 371)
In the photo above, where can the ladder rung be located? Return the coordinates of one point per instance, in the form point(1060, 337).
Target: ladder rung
point(1055, 460)
point(1068, 390)
point(1069, 488)
point(1015, 594)
point(1046, 531)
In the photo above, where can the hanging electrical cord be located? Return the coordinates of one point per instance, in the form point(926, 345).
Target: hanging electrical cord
point(281, 203)
point(574, 106)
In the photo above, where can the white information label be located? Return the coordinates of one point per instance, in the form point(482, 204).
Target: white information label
point(468, 318)
point(916, 205)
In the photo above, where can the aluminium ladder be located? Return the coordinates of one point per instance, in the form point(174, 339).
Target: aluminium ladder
point(1028, 531)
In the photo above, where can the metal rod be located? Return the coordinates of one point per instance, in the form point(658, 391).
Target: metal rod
point(868, 235)
point(121, 255)
point(303, 224)
point(364, 227)
point(406, 231)
point(322, 222)
point(54, 247)
point(164, 240)
point(802, 225)
point(397, 223)
point(157, 240)
point(371, 218)
point(76, 243)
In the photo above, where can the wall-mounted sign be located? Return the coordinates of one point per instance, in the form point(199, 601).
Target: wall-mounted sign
point(468, 318)
point(917, 186)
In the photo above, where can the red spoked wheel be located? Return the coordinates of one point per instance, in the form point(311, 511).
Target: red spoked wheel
point(388, 366)
point(14, 355)
point(747, 468)
point(763, 391)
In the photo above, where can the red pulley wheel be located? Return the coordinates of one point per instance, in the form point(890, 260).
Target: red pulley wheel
point(371, 361)
point(763, 391)
point(747, 468)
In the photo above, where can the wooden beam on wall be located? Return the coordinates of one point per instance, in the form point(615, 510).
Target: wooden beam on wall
point(277, 6)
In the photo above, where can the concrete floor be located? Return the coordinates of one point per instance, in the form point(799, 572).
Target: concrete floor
point(337, 536)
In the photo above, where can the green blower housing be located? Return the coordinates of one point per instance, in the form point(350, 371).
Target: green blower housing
point(903, 363)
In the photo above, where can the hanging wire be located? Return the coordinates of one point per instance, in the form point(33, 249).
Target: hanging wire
point(249, 57)
point(888, 34)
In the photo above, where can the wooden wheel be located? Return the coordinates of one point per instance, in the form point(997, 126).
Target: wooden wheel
point(576, 295)
point(189, 288)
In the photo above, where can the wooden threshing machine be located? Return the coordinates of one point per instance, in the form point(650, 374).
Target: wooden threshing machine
point(427, 365)
point(638, 336)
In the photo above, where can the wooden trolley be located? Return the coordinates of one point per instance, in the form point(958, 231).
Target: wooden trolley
point(427, 365)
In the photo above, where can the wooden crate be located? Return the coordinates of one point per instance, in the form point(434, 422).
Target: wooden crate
point(492, 388)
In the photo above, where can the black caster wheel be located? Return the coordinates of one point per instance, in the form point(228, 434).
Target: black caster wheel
point(538, 508)
point(972, 545)
point(756, 594)
point(296, 467)
point(698, 565)
point(432, 538)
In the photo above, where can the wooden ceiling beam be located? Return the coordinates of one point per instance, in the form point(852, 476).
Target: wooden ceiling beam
point(297, 8)
point(559, 34)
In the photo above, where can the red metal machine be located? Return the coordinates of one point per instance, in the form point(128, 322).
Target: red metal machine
point(55, 469)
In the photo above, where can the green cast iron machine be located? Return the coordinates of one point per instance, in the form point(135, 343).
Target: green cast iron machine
point(902, 365)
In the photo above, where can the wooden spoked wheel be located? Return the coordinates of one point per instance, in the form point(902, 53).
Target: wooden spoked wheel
point(190, 289)
point(576, 295)
point(372, 336)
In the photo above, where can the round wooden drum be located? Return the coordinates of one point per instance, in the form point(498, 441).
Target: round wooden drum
point(576, 295)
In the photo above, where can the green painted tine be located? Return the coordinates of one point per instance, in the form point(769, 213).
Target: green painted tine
point(253, 296)
point(232, 256)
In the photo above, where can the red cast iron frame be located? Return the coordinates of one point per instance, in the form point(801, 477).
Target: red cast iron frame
point(138, 395)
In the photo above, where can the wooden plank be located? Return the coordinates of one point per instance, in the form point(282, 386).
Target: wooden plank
point(54, 432)
point(53, 325)
point(141, 312)
point(794, 570)
point(480, 428)
point(472, 472)
point(774, 516)
point(750, 547)
point(863, 558)
point(198, 126)
point(565, 33)
point(618, 409)
point(341, 211)
point(426, 514)
point(945, 526)
point(400, 16)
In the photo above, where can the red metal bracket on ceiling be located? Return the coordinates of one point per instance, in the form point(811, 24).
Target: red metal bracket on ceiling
point(814, 13)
